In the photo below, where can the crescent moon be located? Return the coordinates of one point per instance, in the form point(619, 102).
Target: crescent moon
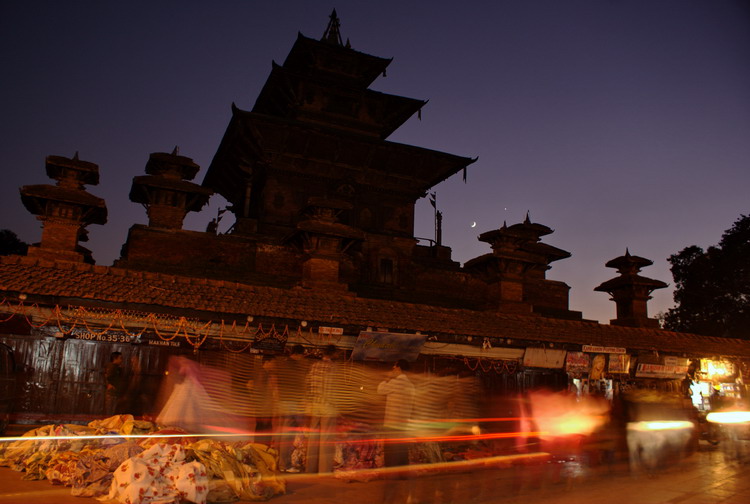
point(474, 224)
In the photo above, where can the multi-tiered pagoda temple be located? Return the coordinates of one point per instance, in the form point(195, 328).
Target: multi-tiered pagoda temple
point(323, 200)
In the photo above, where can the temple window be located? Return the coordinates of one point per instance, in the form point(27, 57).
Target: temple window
point(385, 271)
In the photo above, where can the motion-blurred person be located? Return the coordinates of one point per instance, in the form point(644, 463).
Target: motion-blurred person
point(183, 407)
point(195, 402)
point(267, 401)
point(132, 400)
point(290, 380)
point(113, 376)
point(399, 405)
point(322, 410)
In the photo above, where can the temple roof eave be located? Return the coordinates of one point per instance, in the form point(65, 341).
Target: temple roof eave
point(369, 66)
point(97, 208)
point(245, 132)
point(183, 186)
point(231, 166)
point(628, 261)
point(163, 163)
point(284, 90)
point(549, 252)
point(624, 281)
point(88, 171)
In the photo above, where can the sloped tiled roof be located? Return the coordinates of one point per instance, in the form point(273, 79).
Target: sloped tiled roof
point(50, 281)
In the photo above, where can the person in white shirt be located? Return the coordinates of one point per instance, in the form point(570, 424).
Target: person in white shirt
point(399, 405)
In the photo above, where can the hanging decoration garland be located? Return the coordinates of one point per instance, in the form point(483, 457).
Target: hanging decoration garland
point(199, 340)
point(499, 367)
point(167, 328)
point(28, 318)
point(233, 328)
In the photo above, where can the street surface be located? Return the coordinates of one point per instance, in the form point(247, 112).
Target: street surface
point(707, 477)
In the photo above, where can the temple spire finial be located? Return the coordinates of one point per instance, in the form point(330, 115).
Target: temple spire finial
point(528, 218)
point(333, 30)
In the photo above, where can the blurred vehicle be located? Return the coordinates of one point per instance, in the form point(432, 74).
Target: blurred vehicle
point(707, 431)
point(661, 430)
point(7, 385)
point(733, 428)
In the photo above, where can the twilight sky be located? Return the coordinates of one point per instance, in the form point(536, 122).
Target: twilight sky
point(617, 123)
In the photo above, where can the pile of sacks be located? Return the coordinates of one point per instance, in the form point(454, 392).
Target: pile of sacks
point(100, 460)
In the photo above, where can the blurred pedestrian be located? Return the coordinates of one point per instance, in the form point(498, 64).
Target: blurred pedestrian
point(399, 405)
point(115, 384)
point(132, 400)
point(322, 410)
point(291, 395)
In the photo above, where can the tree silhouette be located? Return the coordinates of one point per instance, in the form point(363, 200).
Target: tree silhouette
point(712, 287)
point(10, 244)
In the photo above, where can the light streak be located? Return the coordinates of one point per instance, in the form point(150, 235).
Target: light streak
point(121, 436)
point(729, 417)
point(660, 425)
point(450, 438)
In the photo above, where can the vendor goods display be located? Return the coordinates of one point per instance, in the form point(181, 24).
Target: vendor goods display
point(96, 460)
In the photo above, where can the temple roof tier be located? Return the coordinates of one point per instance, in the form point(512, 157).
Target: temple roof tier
point(35, 198)
point(524, 231)
point(325, 153)
point(314, 57)
point(289, 94)
point(199, 195)
point(630, 281)
point(628, 263)
point(171, 166)
point(61, 168)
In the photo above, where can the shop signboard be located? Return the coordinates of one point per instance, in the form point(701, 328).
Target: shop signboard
point(680, 362)
point(660, 370)
point(602, 349)
point(544, 358)
point(271, 341)
point(387, 346)
point(577, 362)
point(331, 331)
point(619, 364)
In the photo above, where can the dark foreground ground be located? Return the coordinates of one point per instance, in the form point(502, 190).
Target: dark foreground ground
point(707, 477)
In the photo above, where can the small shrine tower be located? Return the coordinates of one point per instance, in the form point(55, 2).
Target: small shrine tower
point(630, 291)
point(324, 241)
point(166, 192)
point(516, 269)
point(65, 209)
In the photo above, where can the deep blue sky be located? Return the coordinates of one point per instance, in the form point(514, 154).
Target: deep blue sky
point(616, 123)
